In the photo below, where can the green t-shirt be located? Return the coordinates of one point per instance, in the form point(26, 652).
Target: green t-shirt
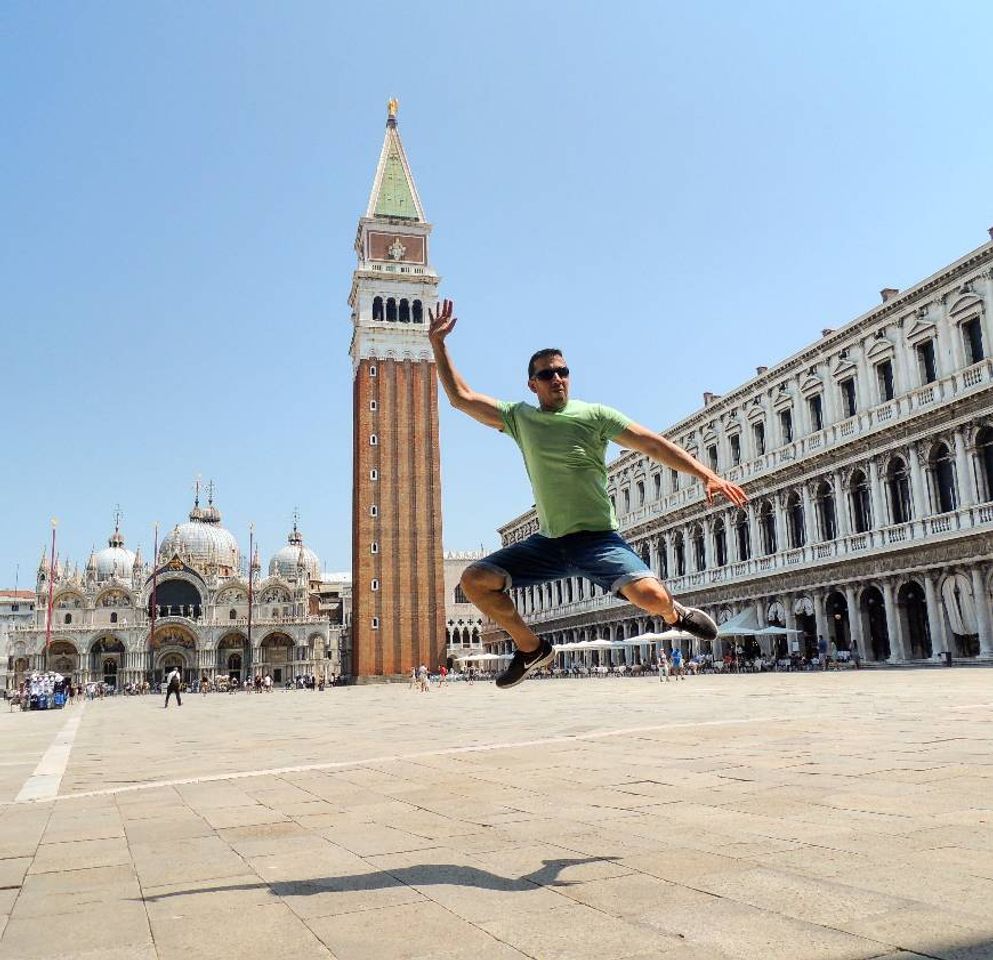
point(564, 452)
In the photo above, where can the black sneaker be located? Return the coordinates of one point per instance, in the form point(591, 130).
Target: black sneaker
point(524, 664)
point(695, 621)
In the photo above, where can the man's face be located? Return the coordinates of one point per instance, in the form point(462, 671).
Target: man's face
point(550, 383)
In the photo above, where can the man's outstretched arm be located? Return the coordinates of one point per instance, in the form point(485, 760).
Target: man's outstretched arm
point(479, 406)
point(654, 445)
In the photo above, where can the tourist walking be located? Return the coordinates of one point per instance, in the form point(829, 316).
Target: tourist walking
point(564, 445)
point(677, 663)
point(663, 665)
point(172, 687)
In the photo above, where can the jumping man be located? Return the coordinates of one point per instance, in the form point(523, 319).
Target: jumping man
point(564, 444)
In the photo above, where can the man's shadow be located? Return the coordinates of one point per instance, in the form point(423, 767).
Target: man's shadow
point(427, 874)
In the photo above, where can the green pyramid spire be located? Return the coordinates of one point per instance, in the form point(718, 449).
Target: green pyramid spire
point(396, 198)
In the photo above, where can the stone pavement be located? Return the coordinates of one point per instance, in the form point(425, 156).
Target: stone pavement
point(836, 816)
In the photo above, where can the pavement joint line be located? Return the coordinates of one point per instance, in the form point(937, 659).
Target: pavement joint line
point(44, 783)
point(393, 758)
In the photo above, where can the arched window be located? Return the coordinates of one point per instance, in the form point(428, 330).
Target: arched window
point(391, 310)
point(699, 548)
point(641, 493)
point(861, 502)
point(568, 590)
point(68, 618)
point(460, 596)
point(972, 339)
point(113, 618)
point(377, 308)
point(944, 495)
point(984, 463)
point(232, 614)
point(898, 488)
point(679, 552)
point(417, 314)
point(767, 524)
point(720, 543)
point(405, 311)
point(743, 535)
point(798, 528)
point(663, 560)
point(824, 502)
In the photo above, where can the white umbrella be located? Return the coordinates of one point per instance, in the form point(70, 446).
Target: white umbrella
point(676, 636)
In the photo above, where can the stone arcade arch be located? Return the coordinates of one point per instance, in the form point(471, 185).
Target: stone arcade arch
point(839, 632)
point(173, 646)
point(232, 659)
point(912, 609)
point(277, 656)
point(876, 632)
point(107, 659)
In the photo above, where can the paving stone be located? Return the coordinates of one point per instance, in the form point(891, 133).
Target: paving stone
point(97, 931)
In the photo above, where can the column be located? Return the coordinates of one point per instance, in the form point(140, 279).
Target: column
point(982, 601)
point(935, 619)
point(753, 530)
point(876, 496)
point(918, 486)
point(820, 617)
point(782, 541)
point(809, 514)
point(898, 650)
point(792, 638)
point(963, 468)
point(841, 505)
point(854, 621)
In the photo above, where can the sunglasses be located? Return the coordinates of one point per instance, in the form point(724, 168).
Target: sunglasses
point(546, 375)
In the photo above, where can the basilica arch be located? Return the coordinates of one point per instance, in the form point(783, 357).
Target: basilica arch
point(173, 645)
point(107, 657)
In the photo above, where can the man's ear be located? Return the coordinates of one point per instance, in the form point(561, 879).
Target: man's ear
point(531, 386)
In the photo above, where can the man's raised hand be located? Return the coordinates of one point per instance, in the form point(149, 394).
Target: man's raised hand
point(717, 486)
point(442, 321)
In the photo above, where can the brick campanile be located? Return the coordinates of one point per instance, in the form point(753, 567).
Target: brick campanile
point(398, 597)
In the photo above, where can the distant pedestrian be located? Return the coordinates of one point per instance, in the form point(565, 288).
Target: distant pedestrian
point(442, 675)
point(422, 678)
point(677, 663)
point(822, 652)
point(663, 665)
point(172, 687)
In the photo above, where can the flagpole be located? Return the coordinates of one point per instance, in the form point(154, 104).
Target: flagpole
point(155, 584)
point(51, 593)
point(251, 560)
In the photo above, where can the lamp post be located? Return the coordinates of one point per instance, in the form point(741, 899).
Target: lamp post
point(155, 583)
point(51, 593)
point(251, 561)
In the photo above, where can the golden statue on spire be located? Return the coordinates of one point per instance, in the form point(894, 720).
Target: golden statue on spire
point(391, 107)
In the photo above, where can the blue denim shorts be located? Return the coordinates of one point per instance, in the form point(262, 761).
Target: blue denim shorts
point(602, 556)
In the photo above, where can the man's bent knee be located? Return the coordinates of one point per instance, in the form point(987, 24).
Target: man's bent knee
point(478, 579)
point(647, 591)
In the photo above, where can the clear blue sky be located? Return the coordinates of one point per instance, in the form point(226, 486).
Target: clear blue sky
point(671, 193)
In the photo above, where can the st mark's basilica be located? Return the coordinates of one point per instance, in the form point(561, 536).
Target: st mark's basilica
point(122, 620)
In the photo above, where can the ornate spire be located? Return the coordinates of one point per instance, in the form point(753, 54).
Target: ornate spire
point(394, 195)
point(296, 537)
point(196, 513)
point(210, 513)
point(116, 539)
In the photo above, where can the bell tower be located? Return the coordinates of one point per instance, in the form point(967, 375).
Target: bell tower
point(398, 602)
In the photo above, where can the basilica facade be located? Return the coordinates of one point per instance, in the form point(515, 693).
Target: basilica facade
point(122, 620)
point(868, 461)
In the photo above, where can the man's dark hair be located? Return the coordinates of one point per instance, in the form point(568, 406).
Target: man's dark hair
point(540, 355)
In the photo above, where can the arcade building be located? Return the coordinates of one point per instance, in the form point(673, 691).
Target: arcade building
point(121, 620)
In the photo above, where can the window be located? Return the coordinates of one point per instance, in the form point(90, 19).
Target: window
point(824, 503)
point(377, 308)
point(743, 535)
point(372, 370)
point(14, 607)
point(373, 440)
point(944, 494)
point(679, 550)
point(373, 405)
point(797, 526)
point(375, 623)
point(972, 335)
point(767, 526)
point(374, 474)
point(786, 425)
point(391, 310)
point(699, 549)
point(861, 502)
point(884, 378)
point(374, 511)
point(658, 485)
point(735, 440)
point(613, 504)
point(113, 618)
point(68, 618)
point(898, 487)
point(232, 614)
point(374, 585)
point(673, 481)
point(758, 437)
point(712, 456)
point(405, 311)
point(816, 407)
point(663, 560)
point(417, 314)
point(720, 544)
point(984, 463)
point(374, 547)
point(926, 363)
point(641, 493)
point(627, 500)
point(849, 402)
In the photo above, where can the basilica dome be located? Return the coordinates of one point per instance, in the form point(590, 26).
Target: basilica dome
point(202, 541)
point(285, 561)
point(113, 560)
